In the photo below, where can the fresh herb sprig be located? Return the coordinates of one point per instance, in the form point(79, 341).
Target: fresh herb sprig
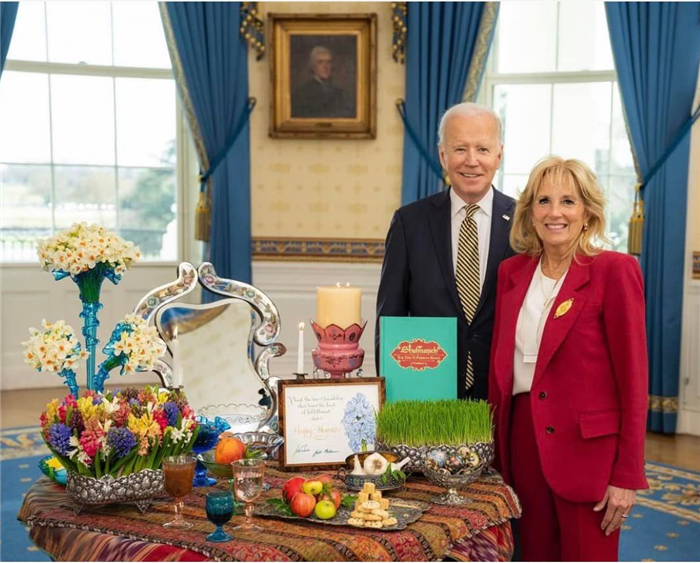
point(280, 506)
point(425, 423)
point(348, 501)
point(390, 473)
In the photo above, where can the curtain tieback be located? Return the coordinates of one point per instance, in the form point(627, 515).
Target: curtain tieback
point(434, 166)
point(636, 225)
point(202, 220)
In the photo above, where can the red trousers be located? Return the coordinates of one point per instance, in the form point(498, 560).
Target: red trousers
point(551, 528)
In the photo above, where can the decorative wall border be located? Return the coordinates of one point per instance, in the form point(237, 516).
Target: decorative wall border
point(696, 265)
point(318, 250)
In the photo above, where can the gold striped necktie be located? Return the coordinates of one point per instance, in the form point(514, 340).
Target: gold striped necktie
point(467, 275)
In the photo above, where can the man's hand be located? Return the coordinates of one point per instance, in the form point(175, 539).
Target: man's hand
point(620, 503)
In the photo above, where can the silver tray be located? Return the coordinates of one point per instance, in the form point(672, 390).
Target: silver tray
point(405, 511)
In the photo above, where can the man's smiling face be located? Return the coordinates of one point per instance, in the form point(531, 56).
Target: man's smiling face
point(471, 153)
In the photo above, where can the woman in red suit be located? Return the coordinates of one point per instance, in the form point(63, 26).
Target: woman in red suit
point(568, 376)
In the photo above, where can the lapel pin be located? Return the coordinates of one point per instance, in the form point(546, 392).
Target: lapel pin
point(506, 217)
point(563, 308)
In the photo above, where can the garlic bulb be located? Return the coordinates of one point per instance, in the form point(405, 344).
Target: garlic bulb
point(357, 468)
point(375, 464)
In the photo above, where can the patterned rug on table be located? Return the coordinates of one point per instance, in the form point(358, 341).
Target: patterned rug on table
point(664, 526)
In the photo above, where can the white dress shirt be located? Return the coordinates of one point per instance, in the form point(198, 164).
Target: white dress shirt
point(483, 225)
point(533, 315)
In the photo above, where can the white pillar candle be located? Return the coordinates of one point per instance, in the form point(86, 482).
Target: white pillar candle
point(300, 349)
point(177, 366)
point(338, 305)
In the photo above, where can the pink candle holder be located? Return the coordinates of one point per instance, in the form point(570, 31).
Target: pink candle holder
point(338, 351)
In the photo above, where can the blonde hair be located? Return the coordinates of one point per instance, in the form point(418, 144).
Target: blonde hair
point(571, 172)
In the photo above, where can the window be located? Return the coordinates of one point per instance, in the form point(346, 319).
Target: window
point(88, 112)
point(551, 79)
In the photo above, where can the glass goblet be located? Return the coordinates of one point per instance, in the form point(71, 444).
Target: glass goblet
point(206, 439)
point(219, 507)
point(248, 485)
point(179, 472)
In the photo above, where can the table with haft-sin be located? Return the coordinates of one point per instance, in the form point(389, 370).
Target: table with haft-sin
point(478, 531)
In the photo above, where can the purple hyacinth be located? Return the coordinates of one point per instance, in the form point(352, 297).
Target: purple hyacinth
point(77, 422)
point(171, 411)
point(59, 438)
point(122, 440)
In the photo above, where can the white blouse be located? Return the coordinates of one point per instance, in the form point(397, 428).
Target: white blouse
point(528, 332)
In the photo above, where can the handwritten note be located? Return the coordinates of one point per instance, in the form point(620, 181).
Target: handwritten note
point(326, 423)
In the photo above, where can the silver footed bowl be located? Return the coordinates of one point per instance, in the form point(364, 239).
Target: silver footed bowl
point(266, 442)
point(241, 417)
point(484, 450)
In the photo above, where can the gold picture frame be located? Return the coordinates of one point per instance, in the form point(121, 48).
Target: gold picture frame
point(323, 73)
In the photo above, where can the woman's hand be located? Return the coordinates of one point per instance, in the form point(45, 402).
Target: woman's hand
point(620, 503)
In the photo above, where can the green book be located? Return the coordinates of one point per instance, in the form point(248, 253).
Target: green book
point(418, 357)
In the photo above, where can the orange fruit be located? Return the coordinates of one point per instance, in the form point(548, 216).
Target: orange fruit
point(229, 449)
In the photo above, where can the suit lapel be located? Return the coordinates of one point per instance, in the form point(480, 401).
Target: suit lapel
point(441, 228)
point(498, 245)
point(513, 299)
point(555, 330)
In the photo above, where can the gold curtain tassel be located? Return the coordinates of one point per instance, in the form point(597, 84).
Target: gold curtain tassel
point(636, 227)
point(202, 218)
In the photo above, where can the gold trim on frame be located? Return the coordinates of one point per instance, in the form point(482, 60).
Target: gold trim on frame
point(317, 250)
point(282, 28)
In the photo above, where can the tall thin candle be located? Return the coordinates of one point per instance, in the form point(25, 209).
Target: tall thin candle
point(300, 349)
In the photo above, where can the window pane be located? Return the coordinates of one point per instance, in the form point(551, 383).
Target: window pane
point(83, 119)
point(584, 42)
point(25, 213)
point(85, 193)
point(28, 41)
point(525, 113)
point(514, 184)
point(621, 154)
point(527, 37)
point(145, 121)
point(147, 210)
point(79, 32)
point(138, 35)
point(24, 115)
point(619, 196)
point(581, 123)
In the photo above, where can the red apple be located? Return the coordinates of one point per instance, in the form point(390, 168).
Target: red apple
point(302, 504)
point(333, 495)
point(291, 488)
point(325, 478)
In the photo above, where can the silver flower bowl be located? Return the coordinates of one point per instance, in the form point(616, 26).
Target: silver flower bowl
point(138, 488)
point(484, 450)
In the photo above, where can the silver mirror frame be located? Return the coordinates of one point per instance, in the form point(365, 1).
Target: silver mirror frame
point(263, 333)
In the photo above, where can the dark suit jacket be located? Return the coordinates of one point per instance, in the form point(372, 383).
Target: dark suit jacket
point(418, 278)
point(589, 393)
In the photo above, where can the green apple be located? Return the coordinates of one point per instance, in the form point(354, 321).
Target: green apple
point(324, 510)
point(312, 487)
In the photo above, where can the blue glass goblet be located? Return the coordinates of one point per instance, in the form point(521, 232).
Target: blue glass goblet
point(206, 439)
point(219, 511)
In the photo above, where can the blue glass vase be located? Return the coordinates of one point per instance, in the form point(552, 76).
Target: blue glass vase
point(90, 284)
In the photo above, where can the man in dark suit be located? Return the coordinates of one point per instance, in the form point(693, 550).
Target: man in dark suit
point(443, 252)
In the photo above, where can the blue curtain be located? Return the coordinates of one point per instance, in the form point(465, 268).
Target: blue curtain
point(8, 13)
point(657, 50)
point(211, 66)
point(441, 42)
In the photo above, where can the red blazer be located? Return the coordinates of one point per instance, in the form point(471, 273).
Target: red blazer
point(589, 392)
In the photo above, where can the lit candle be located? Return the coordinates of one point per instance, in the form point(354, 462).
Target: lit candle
point(338, 305)
point(177, 367)
point(300, 350)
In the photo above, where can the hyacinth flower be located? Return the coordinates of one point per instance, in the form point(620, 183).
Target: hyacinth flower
point(134, 346)
point(358, 422)
point(88, 254)
point(55, 349)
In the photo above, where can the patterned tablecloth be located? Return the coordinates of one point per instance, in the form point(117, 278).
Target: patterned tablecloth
point(478, 532)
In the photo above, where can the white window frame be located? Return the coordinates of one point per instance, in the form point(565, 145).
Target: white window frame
point(184, 171)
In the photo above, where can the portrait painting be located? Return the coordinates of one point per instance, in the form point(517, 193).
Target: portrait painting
point(323, 76)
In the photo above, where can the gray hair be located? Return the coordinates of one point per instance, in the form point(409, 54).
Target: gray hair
point(318, 50)
point(468, 109)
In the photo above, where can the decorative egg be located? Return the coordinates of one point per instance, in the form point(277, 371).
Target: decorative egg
point(454, 463)
point(430, 463)
point(464, 451)
point(473, 459)
point(438, 457)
